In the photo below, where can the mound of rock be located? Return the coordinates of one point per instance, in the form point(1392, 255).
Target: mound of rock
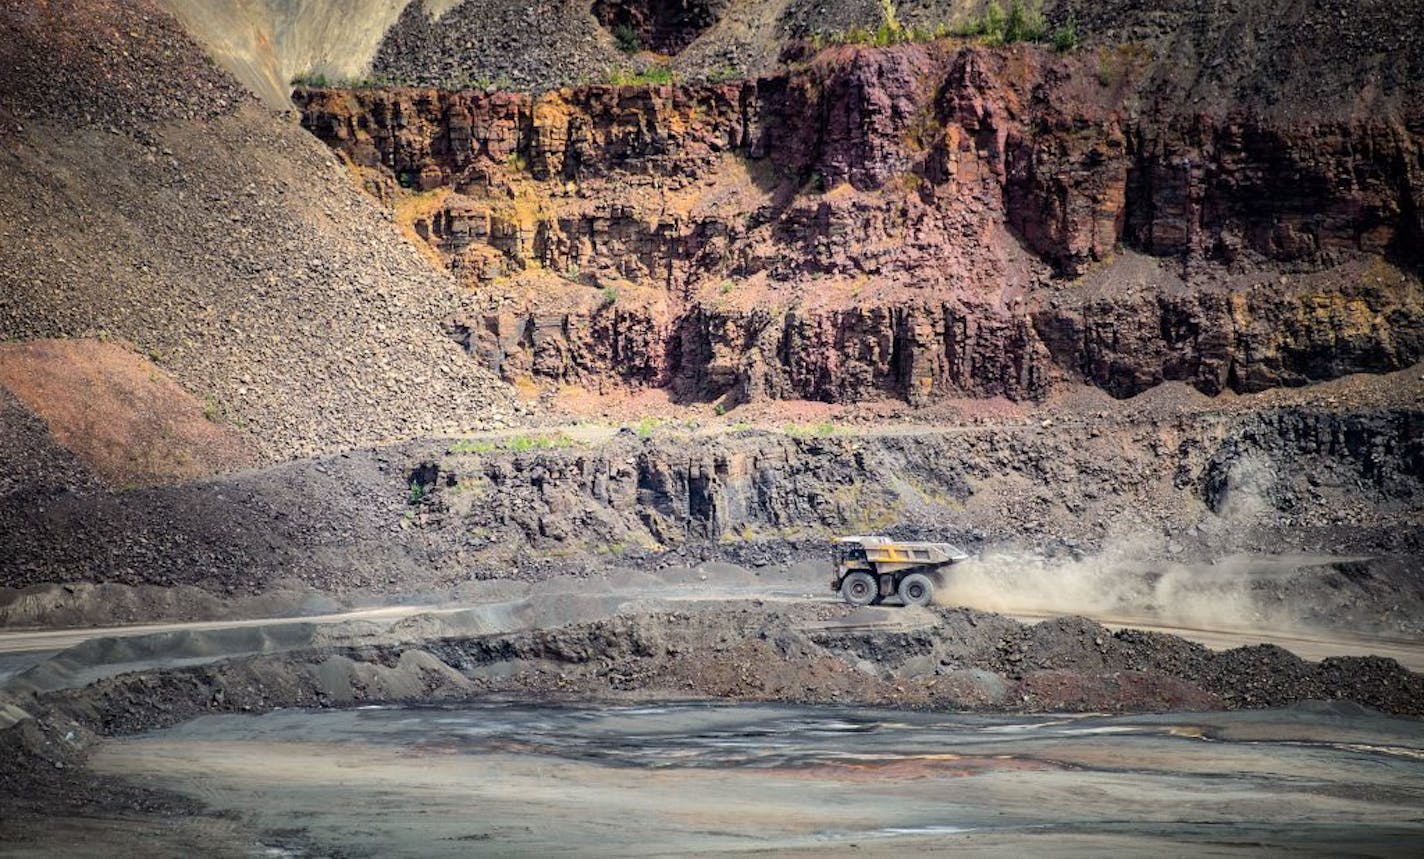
point(503, 44)
point(227, 246)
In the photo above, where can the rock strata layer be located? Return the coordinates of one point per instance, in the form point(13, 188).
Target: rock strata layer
point(916, 222)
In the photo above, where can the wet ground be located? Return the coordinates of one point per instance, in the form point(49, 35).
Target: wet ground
point(706, 778)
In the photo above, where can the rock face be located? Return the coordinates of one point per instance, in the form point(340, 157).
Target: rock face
point(1132, 326)
point(1316, 466)
point(916, 222)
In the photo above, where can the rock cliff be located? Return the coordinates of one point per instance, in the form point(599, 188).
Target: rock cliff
point(917, 222)
point(1316, 468)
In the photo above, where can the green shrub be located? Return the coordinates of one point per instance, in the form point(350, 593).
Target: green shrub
point(1105, 70)
point(723, 73)
point(371, 81)
point(1023, 22)
point(310, 79)
point(991, 23)
point(890, 31)
point(1065, 38)
point(610, 296)
point(627, 39)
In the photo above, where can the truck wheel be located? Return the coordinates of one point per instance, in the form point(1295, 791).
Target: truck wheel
point(916, 589)
point(858, 588)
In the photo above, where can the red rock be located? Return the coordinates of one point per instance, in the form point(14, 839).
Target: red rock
point(916, 222)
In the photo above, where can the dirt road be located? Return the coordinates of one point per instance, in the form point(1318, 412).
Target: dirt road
point(564, 601)
point(25, 640)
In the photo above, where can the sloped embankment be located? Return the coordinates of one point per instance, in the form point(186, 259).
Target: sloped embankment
point(148, 198)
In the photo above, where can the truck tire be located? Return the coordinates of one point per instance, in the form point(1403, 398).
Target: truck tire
point(858, 588)
point(916, 589)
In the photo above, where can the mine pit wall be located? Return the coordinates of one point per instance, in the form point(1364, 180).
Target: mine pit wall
point(1082, 482)
point(915, 222)
point(1280, 330)
point(1341, 479)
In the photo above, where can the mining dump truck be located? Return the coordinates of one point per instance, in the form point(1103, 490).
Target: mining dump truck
point(869, 569)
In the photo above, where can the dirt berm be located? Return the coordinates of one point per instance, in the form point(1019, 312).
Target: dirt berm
point(751, 651)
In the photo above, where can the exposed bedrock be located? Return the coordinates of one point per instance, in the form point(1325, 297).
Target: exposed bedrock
point(915, 222)
point(839, 355)
point(1266, 330)
point(1318, 469)
point(1342, 476)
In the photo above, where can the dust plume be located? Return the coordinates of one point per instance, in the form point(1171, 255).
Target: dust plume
point(1131, 581)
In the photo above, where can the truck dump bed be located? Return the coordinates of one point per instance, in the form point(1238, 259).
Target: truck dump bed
point(882, 550)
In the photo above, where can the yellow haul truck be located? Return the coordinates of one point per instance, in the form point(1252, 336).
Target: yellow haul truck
point(869, 569)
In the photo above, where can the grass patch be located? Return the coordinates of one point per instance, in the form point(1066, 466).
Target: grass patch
point(514, 444)
point(824, 429)
point(522, 443)
point(864, 509)
point(311, 79)
point(653, 75)
point(321, 81)
point(724, 73)
point(462, 80)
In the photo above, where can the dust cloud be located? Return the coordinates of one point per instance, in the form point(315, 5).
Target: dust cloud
point(1150, 579)
point(1130, 581)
